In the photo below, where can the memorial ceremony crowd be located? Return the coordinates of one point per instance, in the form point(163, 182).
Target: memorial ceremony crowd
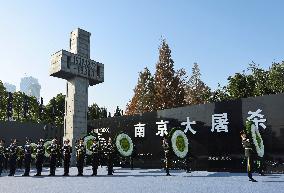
point(10, 154)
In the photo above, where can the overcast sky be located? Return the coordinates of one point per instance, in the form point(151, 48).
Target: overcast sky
point(221, 36)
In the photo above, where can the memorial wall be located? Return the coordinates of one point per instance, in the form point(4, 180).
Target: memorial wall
point(212, 129)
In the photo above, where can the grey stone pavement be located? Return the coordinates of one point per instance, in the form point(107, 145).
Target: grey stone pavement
point(141, 180)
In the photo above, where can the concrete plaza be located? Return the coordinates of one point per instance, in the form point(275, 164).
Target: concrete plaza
point(141, 180)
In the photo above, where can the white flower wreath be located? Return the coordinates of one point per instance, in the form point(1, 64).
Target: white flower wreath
point(124, 144)
point(88, 141)
point(259, 147)
point(179, 135)
point(46, 145)
point(33, 146)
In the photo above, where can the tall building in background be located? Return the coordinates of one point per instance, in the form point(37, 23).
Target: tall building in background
point(10, 87)
point(30, 86)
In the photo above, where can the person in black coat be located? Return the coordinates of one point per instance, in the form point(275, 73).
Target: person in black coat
point(28, 157)
point(53, 148)
point(248, 154)
point(66, 154)
point(110, 156)
point(13, 149)
point(80, 155)
point(2, 155)
point(166, 148)
point(40, 150)
point(95, 156)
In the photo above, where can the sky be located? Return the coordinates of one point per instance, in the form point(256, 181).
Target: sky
point(222, 36)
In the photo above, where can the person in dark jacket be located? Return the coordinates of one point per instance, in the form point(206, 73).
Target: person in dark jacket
point(95, 156)
point(110, 156)
point(166, 148)
point(27, 157)
point(40, 150)
point(13, 148)
point(80, 156)
point(2, 155)
point(248, 154)
point(66, 154)
point(53, 148)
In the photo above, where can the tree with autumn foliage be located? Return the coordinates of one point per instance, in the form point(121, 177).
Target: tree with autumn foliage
point(143, 99)
point(168, 83)
point(197, 92)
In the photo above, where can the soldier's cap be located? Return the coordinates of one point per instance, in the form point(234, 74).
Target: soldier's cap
point(54, 140)
point(41, 140)
point(95, 139)
point(242, 133)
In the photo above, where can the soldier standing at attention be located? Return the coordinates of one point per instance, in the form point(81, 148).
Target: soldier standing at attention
point(80, 155)
point(13, 157)
point(39, 157)
point(2, 155)
point(66, 153)
point(28, 157)
point(110, 154)
point(166, 148)
point(248, 153)
point(95, 156)
point(53, 148)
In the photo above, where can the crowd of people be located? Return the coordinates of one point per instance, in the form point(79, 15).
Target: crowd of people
point(10, 154)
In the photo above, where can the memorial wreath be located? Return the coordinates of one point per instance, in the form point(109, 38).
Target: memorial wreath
point(46, 145)
point(124, 144)
point(253, 132)
point(88, 141)
point(33, 146)
point(179, 143)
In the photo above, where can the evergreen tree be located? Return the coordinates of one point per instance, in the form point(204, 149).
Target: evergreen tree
point(94, 112)
point(34, 109)
point(275, 83)
point(143, 99)
point(18, 106)
point(55, 110)
point(169, 90)
point(241, 86)
point(220, 94)
point(196, 90)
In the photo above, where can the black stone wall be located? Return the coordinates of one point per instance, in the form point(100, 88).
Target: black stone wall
point(211, 150)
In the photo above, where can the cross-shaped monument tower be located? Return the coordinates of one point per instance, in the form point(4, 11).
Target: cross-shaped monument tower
point(80, 71)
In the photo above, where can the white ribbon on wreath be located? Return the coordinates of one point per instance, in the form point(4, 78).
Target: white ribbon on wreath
point(259, 147)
